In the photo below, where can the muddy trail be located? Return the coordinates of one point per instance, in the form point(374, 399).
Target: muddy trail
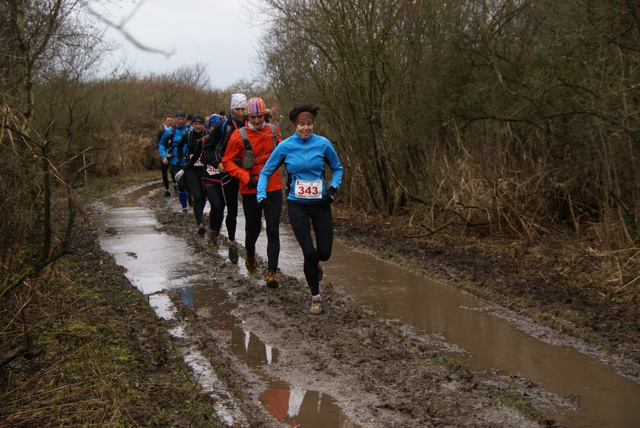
point(268, 362)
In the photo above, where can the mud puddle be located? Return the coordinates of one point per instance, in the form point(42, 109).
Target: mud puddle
point(487, 338)
point(491, 338)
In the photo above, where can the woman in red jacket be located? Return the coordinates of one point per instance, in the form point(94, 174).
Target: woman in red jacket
point(247, 152)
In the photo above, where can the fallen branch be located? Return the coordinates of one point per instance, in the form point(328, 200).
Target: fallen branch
point(30, 270)
point(22, 351)
point(450, 223)
point(465, 223)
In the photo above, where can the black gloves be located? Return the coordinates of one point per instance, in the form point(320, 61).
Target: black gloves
point(331, 195)
point(253, 181)
point(263, 202)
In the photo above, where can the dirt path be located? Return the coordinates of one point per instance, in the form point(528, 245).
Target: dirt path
point(381, 373)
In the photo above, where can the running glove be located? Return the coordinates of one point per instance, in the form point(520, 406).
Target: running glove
point(331, 195)
point(253, 181)
point(179, 175)
point(263, 202)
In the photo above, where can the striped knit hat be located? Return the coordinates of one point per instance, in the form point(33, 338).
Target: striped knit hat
point(256, 107)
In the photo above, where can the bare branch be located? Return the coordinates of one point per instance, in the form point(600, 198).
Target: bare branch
point(122, 30)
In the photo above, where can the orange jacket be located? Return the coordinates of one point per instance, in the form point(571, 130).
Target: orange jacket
point(262, 143)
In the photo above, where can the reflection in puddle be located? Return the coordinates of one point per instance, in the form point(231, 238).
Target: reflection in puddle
point(211, 302)
point(162, 305)
point(300, 408)
point(225, 406)
point(155, 262)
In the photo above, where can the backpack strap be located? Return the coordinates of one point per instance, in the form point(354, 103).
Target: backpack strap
point(228, 126)
point(180, 147)
point(167, 143)
point(247, 144)
point(245, 139)
point(274, 134)
point(228, 130)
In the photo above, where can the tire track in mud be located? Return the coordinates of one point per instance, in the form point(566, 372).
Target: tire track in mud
point(380, 372)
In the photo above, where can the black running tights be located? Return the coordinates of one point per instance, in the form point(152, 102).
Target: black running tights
point(213, 189)
point(230, 187)
point(302, 217)
point(253, 225)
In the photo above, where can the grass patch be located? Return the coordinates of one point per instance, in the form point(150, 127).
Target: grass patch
point(450, 363)
point(520, 404)
point(102, 356)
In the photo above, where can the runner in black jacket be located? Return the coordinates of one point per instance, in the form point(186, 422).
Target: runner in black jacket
point(168, 121)
point(214, 149)
point(194, 167)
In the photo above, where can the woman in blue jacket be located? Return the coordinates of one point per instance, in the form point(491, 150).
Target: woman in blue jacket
point(309, 196)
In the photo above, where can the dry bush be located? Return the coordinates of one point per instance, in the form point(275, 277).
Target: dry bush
point(21, 198)
point(131, 154)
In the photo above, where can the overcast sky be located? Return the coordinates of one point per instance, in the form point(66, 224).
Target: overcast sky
point(216, 33)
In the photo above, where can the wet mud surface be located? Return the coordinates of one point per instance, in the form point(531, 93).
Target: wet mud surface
point(380, 372)
point(557, 289)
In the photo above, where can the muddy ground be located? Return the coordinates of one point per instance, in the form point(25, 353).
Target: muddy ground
point(381, 372)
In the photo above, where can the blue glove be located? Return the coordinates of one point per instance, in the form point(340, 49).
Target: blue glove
point(331, 195)
point(179, 175)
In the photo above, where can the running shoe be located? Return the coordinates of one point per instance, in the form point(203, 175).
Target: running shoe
point(250, 263)
point(233, 254)
point(213, 240)
point(272, 281)
point(201, 229)
point(184, 211)
point(167, 193)
point(320, 272)
point(316, 305)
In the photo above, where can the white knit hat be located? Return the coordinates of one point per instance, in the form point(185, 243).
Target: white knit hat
point(238, 101)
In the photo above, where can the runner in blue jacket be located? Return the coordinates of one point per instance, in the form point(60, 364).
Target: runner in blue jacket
point(168, 148)
point(309, 196)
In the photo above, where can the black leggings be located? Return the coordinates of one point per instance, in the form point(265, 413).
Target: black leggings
point(164, 167)
point(213, 189)
point(302, 216)
point(253, 225)
point(230, 188)
point(194, 186)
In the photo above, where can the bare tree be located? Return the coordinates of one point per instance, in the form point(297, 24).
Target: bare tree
point(527, 109)
point(37, 37)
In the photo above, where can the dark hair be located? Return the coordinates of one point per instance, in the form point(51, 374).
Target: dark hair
point(222, 113)
point(302, 107)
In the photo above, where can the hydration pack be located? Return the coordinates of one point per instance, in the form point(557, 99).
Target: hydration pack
point(248, 161)
point(224, 139)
